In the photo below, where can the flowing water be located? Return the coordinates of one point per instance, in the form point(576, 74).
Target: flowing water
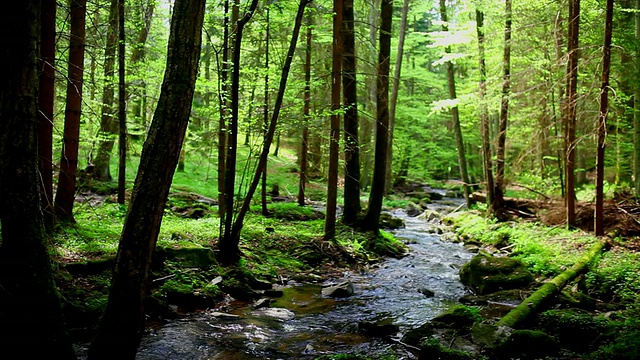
point(304, 325)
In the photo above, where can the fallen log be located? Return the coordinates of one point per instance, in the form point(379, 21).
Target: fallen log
point(538, 299)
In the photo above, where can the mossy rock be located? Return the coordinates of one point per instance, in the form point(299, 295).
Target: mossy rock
point(575, 329)
point(526, 345)
point(458, 317)
point(200, 257)
point(388, 221)
point(413, 336)
point(487, 274)
point(433, 349)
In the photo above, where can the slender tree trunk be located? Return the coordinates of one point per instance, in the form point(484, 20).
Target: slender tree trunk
point(46, 98)
point(222, 122)
point(372, 218)
point(65, 195)
point(636, 107)
point(462, 161)
point(138, 54)
point(229, 252)
point(122, 111)
point(602, 120)
point(306, 111)
point(232, 246)
point(265, 119)
point(334, 138)
point(570, 120)
point(122, 325)
point(484, 116)
point(108, 123)
point(395, 88)
point(498, 192)
point(366, 151)
point(351, 208)
point(31, 316)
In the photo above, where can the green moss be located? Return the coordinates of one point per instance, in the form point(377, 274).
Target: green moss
point(432, 349)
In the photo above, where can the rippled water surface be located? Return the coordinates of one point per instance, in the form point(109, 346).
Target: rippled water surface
point(304, 324)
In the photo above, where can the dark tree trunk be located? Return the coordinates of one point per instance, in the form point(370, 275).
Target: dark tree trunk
point(108, 123)
point(307, 108)
point(334, 137)
point(222, 122)
point(366, 151)
point(231, 250)
point(122, 111)
point(636, 106)
point(265, 119)
point(602, 120)
point(66, 193)
point(570, 119)
point(351, 208)
point(122, 324)
point(31, 317)
point(395, 89)
point(498, 192)
point(484, 116)
point(46, 98)
point(372, 218)
point(455, 117)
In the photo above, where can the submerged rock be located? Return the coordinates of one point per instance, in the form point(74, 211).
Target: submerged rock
point(382, 327)
point(486, 274)
point(344, 289)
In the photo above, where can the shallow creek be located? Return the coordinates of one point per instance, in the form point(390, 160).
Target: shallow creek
point(304, 325)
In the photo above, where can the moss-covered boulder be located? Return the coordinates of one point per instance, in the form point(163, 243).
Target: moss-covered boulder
point(433, 349)
point(457, 317)
point(526, 345)
point(388, 221)
point(192, 257)
point(486, 274)
point(575, 329)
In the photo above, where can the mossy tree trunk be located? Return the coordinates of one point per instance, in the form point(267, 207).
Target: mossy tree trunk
point(541, 297)
point(31, 324)
point(122, 325)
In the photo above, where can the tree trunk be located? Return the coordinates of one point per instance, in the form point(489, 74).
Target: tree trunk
point(31, 317)
point(265, 119)
point(46, 96)
point(372, 218)
point(602, 120)
point(66, 193)
point(570, 120)
point(366, 151)
point(636, 107)
point(538, 299)
point(394, 90)
point(484, 116)
point(108, 123)
point(334, 138)
point(229, 251)
point(351, 208)
point(122, 111)
point(222, 122)
point(498, 192)
point(138, 54)
point(462, 160)
point(307, 108)
point(122, 324)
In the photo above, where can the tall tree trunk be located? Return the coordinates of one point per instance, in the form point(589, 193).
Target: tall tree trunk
point(602, 120)
point(122, 112)
point(395, 88)
point(498, 192)
point(366, 151)
point(138, 54)
point(570, 120)
point(108, 123)
point(122, 325)
point(484, 115)
point(636, 107)
point(31, 317)
point(222, 121)
point(306, 111)
point(351, 207)
point(372, 218)
point(334, 137)
point(46, 98)
point(65, 195)
point(265, 119)
point(462, 160)
point(229, 252)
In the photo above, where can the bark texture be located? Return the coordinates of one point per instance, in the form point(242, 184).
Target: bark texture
point(122, 325)
point(30, 313)
point(304, 149)
point(570, 113)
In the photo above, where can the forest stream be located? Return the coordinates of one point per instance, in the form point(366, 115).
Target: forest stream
point(304, 324)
